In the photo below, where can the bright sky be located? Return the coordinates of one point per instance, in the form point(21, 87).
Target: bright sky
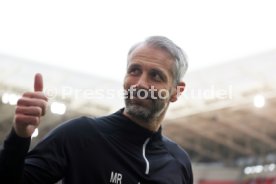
point(94, 36)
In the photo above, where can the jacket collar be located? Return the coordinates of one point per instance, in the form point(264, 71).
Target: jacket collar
point(130, 130)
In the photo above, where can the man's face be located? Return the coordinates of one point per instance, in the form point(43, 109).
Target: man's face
point(149, 82)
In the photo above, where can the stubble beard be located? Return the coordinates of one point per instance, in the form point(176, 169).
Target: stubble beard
point(143, 113)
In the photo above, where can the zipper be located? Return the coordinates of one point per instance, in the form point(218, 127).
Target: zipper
point(144, 155)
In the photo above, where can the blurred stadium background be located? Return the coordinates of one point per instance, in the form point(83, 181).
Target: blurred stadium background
point(225, 118)
point(225, 121)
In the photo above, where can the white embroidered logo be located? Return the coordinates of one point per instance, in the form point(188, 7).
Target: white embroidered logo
point(116, 178)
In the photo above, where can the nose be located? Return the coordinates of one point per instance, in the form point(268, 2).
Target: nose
point(142, 82)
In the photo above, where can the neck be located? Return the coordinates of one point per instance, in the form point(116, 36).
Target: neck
point(152, 124)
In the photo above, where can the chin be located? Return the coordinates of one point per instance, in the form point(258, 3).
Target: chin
point(138, 112)
point(142, 112)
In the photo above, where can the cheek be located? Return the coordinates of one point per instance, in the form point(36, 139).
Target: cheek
point(164, 93)
point(127, 83)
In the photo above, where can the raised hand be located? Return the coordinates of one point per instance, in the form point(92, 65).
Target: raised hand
point(30, 107)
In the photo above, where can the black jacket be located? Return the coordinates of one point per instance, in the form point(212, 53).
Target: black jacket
point(105, 150)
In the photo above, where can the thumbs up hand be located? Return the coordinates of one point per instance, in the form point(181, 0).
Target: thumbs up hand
point(30, 107)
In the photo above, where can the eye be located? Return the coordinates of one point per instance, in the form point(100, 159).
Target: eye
point(134, 71)
point(156, 76)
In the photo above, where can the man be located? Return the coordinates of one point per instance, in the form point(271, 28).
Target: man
point(126, 147)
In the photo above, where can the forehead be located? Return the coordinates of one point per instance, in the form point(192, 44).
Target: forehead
point(146, 54)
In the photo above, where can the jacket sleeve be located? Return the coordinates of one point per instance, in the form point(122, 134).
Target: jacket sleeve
point(12, 158)
point(45, 164)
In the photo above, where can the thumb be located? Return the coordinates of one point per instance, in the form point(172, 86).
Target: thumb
point(38, 82)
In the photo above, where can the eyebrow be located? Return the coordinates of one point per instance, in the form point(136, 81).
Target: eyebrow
point(134, 66)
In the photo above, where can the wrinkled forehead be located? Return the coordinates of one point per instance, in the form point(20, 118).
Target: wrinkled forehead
point(153, 58)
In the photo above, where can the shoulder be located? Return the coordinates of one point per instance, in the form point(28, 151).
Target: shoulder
point(83, 126)
point(70, 129)
point(74, 125)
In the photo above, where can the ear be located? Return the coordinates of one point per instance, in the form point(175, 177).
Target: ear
point(177, 91)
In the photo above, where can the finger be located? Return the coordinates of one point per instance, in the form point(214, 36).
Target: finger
point(38, 82)
point(33, 102)
point(38, 95)
point(24, 120)
point(33, 111)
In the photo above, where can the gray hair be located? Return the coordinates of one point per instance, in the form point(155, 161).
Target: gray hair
point(181, 64)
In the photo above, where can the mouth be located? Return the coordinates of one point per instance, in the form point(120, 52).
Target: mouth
point(139, 101)
point(139, 95)
point(135, 98)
